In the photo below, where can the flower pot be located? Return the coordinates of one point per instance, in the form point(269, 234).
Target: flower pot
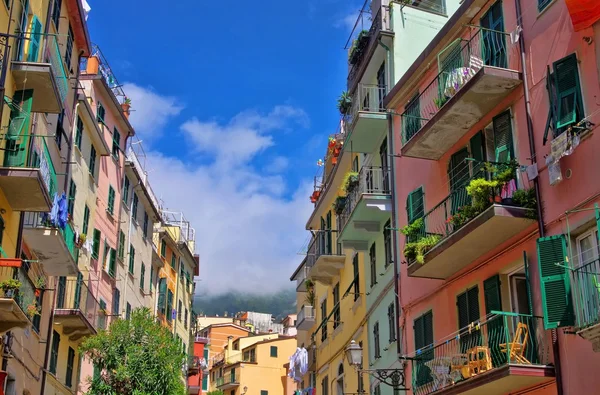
point(93, 64)
point(508, 202)
point(334, 160)
point(37, 292)
point(9, 293)
point(126, 107)
point(9, 262)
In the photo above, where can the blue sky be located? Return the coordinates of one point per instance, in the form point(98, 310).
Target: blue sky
point(233, 102)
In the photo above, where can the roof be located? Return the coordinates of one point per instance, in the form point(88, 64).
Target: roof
point(277, 339)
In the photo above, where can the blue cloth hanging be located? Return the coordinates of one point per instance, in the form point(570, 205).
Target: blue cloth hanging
point(54, 210)
point(63, 212)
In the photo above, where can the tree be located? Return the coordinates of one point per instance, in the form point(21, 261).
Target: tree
point(136, 357)
point(217, 392)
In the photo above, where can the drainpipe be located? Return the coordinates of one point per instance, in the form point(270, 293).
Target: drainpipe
point(389, 61)
point(536, 183)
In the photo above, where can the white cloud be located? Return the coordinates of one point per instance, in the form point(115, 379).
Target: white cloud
point(248, 226)
point(347, 21)
point(277, 164)
point(150, 111)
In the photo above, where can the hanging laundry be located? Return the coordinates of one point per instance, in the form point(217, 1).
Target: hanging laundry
point(54, 211)
point(63, 212)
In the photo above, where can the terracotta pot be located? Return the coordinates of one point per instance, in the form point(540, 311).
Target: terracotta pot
point(126, 107)
point(37, 292)
point(334, 160)
point(92, 65)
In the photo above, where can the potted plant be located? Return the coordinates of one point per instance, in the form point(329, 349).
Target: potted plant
point(81, 240)
point(440, 101)
point(338, 204)
point(344, 103)
point(126, 105)
point(483, 192)
point(32, 309)
point(315, 196)
point(526, 198)
point(350, 181)
point(358, 46)
point(10, 287)
point(40, 284)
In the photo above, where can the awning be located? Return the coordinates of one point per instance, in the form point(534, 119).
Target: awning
point(584, 13)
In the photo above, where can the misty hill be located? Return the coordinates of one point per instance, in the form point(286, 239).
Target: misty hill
point(279, 303)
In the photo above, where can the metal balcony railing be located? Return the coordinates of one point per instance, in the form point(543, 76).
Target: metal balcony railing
point(500, 339)
point(106, 71)
point(371, 180)
point(25, 295)
point(227, 379)
point(457, 64)
point(367, 98)
point(134, 159)
point(73, 294)
point(42, 220)
point(324, 242)
point(586, 294)
point(306, 312)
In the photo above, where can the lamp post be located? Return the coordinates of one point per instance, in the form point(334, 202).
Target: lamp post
point(394, 378)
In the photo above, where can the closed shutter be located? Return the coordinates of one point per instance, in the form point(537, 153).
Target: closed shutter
point(555, 282)
point(112, 265)
point(492, 295)
point(423, 328)
point(34, 42)
point(566, 79)
point(96, 245)
point(60, 297)
point(111, 200)
point(477, 145)
point(468, 312)
point(77, 298)
point(495, 326)
point(503, 138)
point(162, 293)
point(463, 310)
point(329, 249)
point(415, 205)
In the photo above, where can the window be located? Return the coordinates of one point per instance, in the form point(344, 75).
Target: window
point(125, 190)
point(100, 113)
point(56, 12)
point(116, 143)
point(92, 161)
point(411, 119)
point(79, 132)
point(111, 200)
point(392, 321)
point(162, 293)
point(112, 263)
point(163, 248)
point(555, 282)
point(468, 312)
point(493, 39)
point(542, 4)
point(96, 243)
point(324, 320)
point(131, 259)
point(273, 351)
point(437, 6)
point(173, 260)
point(415, 205)
point(72, 193)
point(142, 275)
point(151, 279)
point(387, 243)
point(128, 311)
point(185, 319)
point(336, 306)
point(169, 312)
point(356, 279)
point(423, 329)
point(145, 227)
point(325, 386)
point(54, 352)
point(134, 207)
point(264, 392)
point(69, 49)
point(376, 347)
point(116, 302)
point(373, 265)
point(86, 220)
point(179, 314)
point(59, 130)
point(121, 245)
point(70, 366)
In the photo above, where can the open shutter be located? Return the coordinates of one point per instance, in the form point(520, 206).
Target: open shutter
point(503, 137)
point(77, 298)
point(329, 249)
point(463, 310)
point(492, 295)
point(553, 104)
point(566, 77)
point(162, 294)
point(555, 282)
point(35, 37)
point(417, 204)
point(477, 145)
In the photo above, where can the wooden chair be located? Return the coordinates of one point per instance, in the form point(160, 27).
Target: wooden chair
point(479, 360)
point(515, 350)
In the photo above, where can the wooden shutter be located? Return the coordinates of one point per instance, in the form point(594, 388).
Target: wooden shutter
point(463, 310)
point(112, 267)
point(566, 79)
point(492, 294)
point(77, 298)
point(503, 137)
point(96, 246)
point(162, 293)
point(458, 169)
point(60, 297)
point(34, 42)
point(468, 307)
point(555, 282)
point(415, 205)
point(477, 146)
point(597, 210)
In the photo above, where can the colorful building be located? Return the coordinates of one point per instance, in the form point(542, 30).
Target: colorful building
point(198, 374)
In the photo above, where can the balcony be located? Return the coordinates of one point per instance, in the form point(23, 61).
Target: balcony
point(367, 207)
point(303, 275)
point(27, 178)
point(306, 318)
point(475, 76)
point(367, 41)
point(55, 247)
point(324, 256)
point(228, 381)
point(501, 355)
point(12, 303)
point(76, 308)
point(586, 300)
point(461, 228)
point(39, 66)
point(369, 122)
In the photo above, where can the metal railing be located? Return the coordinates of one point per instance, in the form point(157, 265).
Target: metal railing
point(73, 294)
point(42, 220)
point(133, 158)
point(25, 295)
point(227, 379)
point(367, 98)
point(303, 273)
point(371, 180)
point(219, 358)
point(457, 64)
point(586, 293)
point(306, 312)
point(106, 71)
point(500, 340)
point(324, 242)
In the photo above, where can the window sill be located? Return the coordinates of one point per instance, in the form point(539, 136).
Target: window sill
point(357, 303)
point(337, 330)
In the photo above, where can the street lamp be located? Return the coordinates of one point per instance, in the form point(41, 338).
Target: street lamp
point(391, 377)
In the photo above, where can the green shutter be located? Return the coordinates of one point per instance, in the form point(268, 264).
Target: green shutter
point(131, 258)
point(503, 137)
point(112, 266)
point(163, 248)
point(423, 328)
point(142, 274)
point(162, 293)
point(121, 245)
point(111, 200)
point(96, 245)
point(462, 306)
point(79, 132)
point(116, 145)
point(35, 38)
point(86, 220)
point(492, 294)
point(93, 161)
point(566, 79)
point(555, 282)
point(415, 205)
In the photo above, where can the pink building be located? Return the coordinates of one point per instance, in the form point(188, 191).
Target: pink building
point(499, 294)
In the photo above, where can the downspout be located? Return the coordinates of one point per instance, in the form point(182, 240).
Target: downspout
point(536, 184)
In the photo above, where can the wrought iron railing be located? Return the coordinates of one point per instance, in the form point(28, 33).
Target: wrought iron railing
point(457, 64)
point(25, 295)
point(106, 71)
point(586, 293)
point(42, 220)
point(73, 294)
point(371, 180)
point(306, 312)
point(133, 158)
point(368, 98)
point(499, 340)
point(324, 242)
point(227, 379)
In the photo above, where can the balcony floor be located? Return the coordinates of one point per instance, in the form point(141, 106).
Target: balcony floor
point(366, 221)
point(39, 77)
point(368, 130)
point(74, 323)
point(11, 315)
point(482, 234)
point(49, 246)
point(480, 94)
point(504, 380)
point(326, 268)
point(24, 189)
point(305, 324)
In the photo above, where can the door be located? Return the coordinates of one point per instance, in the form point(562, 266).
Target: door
point(383, 156)
point(17, 137)
point(381, 86)
point(493, 44)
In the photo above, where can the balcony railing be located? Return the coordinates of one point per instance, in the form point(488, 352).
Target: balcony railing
point(586, 294)
point(371, 180)
point(42, 220)
point(25, 295)
point(52, 56)
point(105, 70)
point(74, 295)
point(228, 379)
point(367, 98)
point(503, 339)
point(306, 312)
point(133, 158)
point(458, 63)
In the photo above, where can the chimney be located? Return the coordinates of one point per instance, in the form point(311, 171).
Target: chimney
point(229, 344)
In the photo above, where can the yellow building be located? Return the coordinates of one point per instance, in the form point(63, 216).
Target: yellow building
point(331, 283)
point(254, 365)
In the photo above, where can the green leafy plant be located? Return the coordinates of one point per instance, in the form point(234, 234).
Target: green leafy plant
point(358, 46)
point(414, 229)
point(350, 182)
point(344, 103)
point(10, 285)
point(415, 251)
point(338, 204)
point(526, 198)
point(33, 309)
point(440, 101)
point(502, 172)
point(463, 215)
point(127, 101)
point(40, 282)
point(481, 190)
point(310, 292)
